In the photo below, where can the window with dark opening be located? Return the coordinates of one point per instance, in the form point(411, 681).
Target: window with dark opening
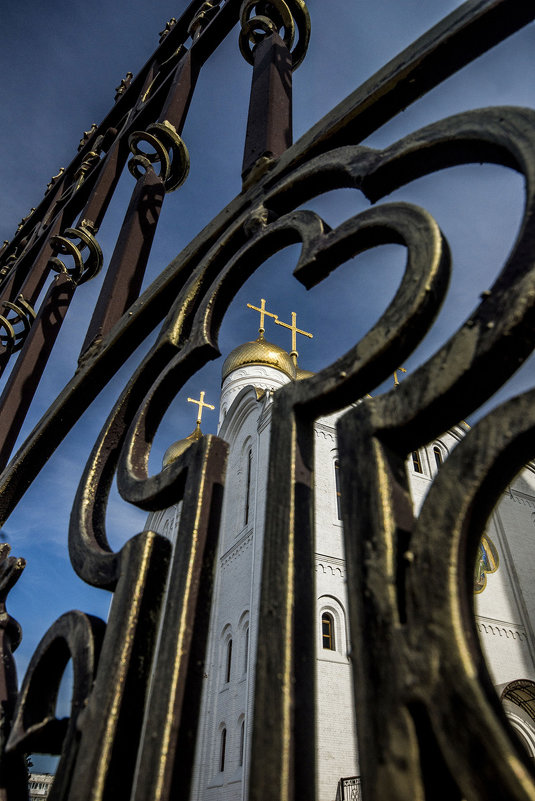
point(438, 456)
point(417, 462)
point(337, 488)
point(246, 650)
point(223, 748)
point(327, 631)
point(229, 661)
point(248, 487)
point(242, 741)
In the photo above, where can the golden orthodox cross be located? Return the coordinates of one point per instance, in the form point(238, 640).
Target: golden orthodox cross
point(202, 405)
point(396, 380)
point(295, 330)
point(263, 313)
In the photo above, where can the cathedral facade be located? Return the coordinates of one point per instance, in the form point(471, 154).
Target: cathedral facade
point(504, 591)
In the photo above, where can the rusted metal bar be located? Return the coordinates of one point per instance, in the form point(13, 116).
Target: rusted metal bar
point(269, 124)
point(23, 381)
point(105, 184)
point(177, 103)
point(33, 282)
point(129, 260)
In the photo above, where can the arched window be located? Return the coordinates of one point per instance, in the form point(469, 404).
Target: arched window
point(248, 487)
point(521, 692)
point(416, 462)
point(327, 631)
point(246, 649)
point(222, 751)
point(438, 456)
point(242, 742)
point(229, 661)
point(337, 489)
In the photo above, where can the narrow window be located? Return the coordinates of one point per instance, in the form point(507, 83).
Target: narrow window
point(246, 650)
point(327, 631)
point(417, 462)
point(223, 748)
point(248, 486)
point(438, 456)
point(242, 741)
point(229, 661)
point(337, 488)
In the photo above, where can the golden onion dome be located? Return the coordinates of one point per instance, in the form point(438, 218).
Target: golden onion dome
point(258, 352)
point(300, 374)
point(177, 448)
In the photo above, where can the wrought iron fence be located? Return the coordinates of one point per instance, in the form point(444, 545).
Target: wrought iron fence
point(426, 717)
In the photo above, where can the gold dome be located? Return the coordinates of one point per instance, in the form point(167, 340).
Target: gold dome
point(177, 448)
point(300, 374)
point(258, 352)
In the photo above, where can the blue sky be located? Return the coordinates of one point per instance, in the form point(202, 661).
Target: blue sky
point(61, 62)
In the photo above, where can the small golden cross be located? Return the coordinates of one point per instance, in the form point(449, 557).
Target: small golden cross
point(396, 380)
point(201, 404)
point(263, 313)
point(295, 330)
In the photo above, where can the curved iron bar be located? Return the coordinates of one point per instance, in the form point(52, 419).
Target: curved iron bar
point(297, 403)
point(75, 636)
point(12, 766)
point(346, 167)
point(437, 699)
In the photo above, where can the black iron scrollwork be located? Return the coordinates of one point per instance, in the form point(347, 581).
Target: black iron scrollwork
point(12, 767)
point(35, 727)
point(409, 700)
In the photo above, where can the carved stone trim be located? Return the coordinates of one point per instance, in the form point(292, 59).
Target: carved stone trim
point(237, 549)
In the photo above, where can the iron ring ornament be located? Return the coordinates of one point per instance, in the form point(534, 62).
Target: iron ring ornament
point(272, 17)
point(84, 269)
point(170, 152)
point(15, 323)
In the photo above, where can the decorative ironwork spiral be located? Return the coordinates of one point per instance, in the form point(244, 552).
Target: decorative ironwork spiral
point(66, 245)
point(15, 323)
point(170, 152)
point(274, 17)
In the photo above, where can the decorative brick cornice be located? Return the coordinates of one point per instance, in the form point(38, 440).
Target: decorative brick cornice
point(330, 566)
point(324, 432)
point(237, 549)
point(521, 498)
point(498, 628)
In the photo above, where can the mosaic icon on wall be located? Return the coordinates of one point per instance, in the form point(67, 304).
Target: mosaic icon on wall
point(487, 562)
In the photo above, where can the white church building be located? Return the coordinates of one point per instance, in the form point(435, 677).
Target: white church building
point(503, 584)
